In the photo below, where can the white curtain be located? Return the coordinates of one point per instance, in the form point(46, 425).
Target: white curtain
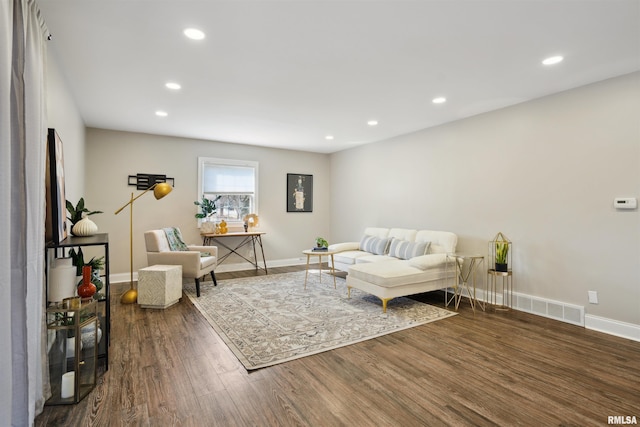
point(23, 373)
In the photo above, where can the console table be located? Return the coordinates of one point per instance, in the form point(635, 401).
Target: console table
point(247, 237)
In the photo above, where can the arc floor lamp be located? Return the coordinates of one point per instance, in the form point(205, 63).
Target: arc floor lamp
point(160, 189)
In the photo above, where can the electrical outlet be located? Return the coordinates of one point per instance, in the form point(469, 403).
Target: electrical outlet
point(593, 297)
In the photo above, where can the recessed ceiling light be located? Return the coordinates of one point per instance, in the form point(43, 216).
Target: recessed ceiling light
point(329, 137)
point(161, 113)
point(173, 86)
point(372, 122)
point(439, 100)
point(194, 33)
point(553, 60)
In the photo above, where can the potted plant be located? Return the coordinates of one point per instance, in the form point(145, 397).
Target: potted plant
point(207, 207)
point(77, 212)
point(321, 243)
point(502, 250)
point(80, 213)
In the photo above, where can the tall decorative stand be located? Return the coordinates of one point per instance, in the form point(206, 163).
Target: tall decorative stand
point(500, 272)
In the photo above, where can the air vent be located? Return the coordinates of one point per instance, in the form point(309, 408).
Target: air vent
point(557, 310)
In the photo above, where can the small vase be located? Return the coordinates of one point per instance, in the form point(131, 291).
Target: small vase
point(86, 289)
point(85, 227)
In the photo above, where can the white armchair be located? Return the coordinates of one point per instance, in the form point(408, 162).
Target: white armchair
point(194, 266)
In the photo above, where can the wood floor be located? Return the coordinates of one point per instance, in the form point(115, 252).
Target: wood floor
point(168, 367)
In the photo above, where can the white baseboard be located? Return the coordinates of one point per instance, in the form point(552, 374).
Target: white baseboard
point(613, 327)
point(568, 313)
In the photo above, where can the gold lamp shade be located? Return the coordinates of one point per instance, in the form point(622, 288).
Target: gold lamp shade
point(161, 190)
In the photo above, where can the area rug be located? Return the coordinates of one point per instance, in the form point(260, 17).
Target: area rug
point(271, 319)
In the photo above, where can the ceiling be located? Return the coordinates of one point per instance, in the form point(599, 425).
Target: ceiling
point(287, 74)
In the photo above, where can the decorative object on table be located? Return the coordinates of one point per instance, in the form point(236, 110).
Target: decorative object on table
point(299, 192)
point(251, 220)
point(142, 181)
point(84, 228)
point(280, 322)
point(81, 225)
point(223, 227)
point(321, 244)
point(160, 189)
point(96, 265)
point(500, 252)
point(62, 280)
point(86, 289)
point(208, 208)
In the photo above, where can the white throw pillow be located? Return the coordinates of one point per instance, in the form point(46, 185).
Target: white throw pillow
point(374, 245)
point(428, 261)
point(407, 250)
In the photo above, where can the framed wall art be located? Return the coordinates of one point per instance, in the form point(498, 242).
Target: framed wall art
point(299, 192)
point(56, 214)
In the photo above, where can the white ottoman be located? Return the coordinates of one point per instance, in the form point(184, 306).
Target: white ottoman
point(159, 286)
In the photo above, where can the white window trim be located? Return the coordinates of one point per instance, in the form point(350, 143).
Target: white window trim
point(231, 162)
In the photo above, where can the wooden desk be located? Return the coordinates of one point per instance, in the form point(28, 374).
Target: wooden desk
point(248, 237)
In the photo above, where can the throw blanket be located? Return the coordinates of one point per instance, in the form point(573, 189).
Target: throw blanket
point(175, 239)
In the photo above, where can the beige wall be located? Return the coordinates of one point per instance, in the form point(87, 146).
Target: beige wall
point(64, 117)
point(544, 172)
point(112, 156)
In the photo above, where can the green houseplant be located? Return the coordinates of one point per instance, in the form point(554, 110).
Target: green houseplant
point(77, 212)
point(321, 242)
point(502, 250)
point(207, 207)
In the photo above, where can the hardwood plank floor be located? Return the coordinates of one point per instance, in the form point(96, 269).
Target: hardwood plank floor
point(169, 367)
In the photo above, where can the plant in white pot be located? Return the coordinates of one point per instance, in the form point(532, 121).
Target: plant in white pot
point(81, 225)
point(208, 208)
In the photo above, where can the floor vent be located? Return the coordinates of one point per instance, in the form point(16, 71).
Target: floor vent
point(557, 310)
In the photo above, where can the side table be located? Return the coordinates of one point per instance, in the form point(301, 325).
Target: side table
point(309, 253)
point(507, 288)
point(159, 286)
point(466, 266)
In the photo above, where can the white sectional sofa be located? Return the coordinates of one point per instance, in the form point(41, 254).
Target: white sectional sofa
point(394, 262)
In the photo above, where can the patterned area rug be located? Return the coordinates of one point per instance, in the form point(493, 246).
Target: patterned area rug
point(271, 319)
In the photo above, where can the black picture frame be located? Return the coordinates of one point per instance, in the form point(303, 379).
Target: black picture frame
point(299, 192)
point(56, 229)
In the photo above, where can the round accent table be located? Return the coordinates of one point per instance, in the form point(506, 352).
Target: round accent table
point(309, 253)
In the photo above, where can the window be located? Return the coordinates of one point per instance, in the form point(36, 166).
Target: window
point(235, 181)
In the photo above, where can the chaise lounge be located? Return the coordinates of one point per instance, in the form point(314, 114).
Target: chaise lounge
point(395, 262)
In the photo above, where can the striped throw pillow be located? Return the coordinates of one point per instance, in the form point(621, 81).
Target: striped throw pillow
point(407, 250)
point(374, 245)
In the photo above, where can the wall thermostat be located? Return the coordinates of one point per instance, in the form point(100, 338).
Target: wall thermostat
point(625, 202)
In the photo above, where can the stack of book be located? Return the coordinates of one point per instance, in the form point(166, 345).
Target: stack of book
point(320, 249)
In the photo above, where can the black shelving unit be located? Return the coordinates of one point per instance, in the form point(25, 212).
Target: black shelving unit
point(104, 305)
